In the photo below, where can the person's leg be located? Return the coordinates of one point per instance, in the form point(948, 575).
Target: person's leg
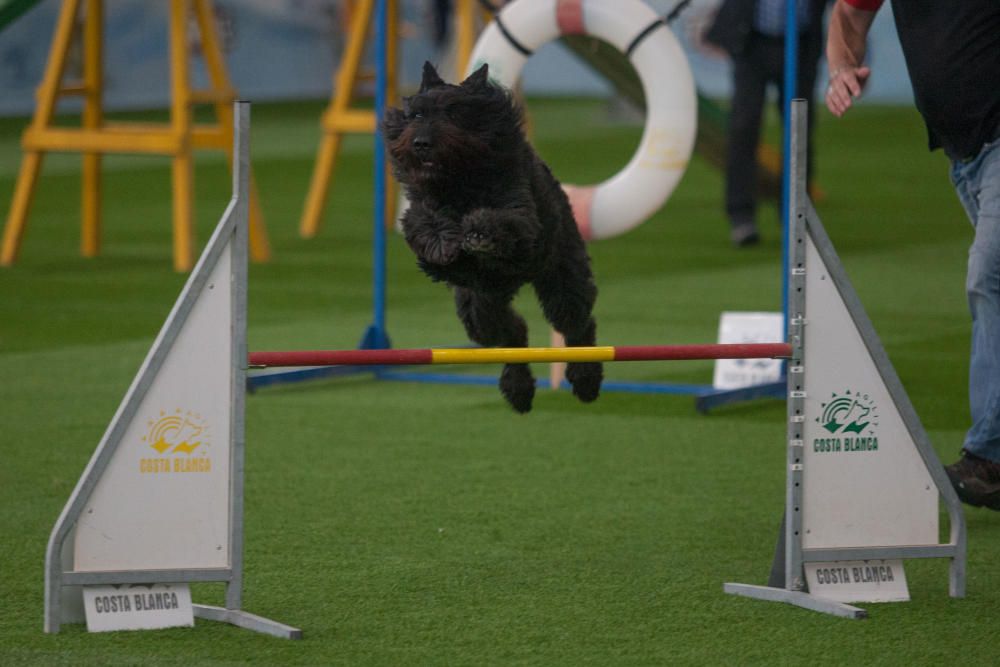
point(983, 290)
point(749, 86)
point(978, 187)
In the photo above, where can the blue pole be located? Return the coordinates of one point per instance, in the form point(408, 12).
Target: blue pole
point(791, 77)
point(376, 336)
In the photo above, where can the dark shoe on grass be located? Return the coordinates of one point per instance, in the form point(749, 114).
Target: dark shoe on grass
point(744, 234)
point(976, 480)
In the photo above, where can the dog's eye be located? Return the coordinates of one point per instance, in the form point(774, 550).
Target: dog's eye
point(408, 112)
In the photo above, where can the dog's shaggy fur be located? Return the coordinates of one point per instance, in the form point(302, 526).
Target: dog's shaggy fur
point(487, 216)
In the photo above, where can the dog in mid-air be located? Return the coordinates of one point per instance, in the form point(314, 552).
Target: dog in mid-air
point(487, 216)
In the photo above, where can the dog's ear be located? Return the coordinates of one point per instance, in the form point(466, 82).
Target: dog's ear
point(431, 78)
point(479, 78)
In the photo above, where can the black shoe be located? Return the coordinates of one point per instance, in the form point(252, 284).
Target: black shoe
point(976, 480)
point(744, 234)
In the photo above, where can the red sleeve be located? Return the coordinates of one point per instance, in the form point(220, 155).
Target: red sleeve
point(865, 5)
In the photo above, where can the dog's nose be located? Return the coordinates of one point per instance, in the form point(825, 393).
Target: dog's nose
point(421, 144)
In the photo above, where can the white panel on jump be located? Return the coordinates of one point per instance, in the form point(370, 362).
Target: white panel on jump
point(865, 483)
point(163, 501)
point(748, 327)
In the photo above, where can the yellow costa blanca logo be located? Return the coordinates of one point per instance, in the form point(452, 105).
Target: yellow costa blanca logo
point(180, 441)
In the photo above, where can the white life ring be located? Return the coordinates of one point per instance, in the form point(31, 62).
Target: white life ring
point(631, 196)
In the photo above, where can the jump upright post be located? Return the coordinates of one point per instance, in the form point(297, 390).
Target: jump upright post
point(853, 441)
point(174, 449)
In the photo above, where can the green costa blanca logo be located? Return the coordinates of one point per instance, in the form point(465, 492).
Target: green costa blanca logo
point(851, 419)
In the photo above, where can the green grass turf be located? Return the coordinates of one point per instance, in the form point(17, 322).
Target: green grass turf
point(422, 524)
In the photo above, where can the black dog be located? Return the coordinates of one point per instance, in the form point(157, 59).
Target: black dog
point(487, 216)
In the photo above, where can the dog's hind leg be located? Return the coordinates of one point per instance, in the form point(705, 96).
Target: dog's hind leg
point(490, 321)
point(567, 299)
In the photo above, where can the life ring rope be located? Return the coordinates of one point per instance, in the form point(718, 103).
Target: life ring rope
point(521, 48)
point(643, 35)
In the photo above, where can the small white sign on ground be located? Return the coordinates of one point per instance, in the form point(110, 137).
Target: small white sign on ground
point(748, 327)
point(858, 581)
point(137, 607)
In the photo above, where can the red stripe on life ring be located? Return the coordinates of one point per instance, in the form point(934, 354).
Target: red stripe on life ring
point(581, 199)
point(569, 17)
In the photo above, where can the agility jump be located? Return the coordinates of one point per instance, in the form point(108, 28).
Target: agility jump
point(601, 211)
point(850, 430)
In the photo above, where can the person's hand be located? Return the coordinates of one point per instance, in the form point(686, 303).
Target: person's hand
point(846, 83)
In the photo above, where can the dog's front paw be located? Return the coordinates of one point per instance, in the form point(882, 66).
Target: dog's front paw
point(443, 249)
point(477, 235)
point(481, 235)
point(478, 243)
point(518, 386)
point(586, 380)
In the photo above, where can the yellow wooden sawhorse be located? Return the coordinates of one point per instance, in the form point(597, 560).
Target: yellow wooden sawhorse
point(95, 136)
point(339, 118)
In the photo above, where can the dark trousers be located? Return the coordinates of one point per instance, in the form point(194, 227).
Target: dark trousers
point(760, 65)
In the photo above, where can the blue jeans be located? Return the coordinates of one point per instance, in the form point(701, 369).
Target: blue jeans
point(978, 185)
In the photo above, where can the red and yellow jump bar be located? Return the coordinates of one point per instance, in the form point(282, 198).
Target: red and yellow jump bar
point(519, 355)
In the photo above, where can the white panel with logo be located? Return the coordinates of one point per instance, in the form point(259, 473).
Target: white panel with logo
point(864, 479)
point(163, 501)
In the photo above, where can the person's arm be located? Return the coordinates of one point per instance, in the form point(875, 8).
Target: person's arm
point(846, 42)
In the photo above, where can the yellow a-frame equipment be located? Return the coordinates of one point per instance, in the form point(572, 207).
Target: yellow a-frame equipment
point(95, 136)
